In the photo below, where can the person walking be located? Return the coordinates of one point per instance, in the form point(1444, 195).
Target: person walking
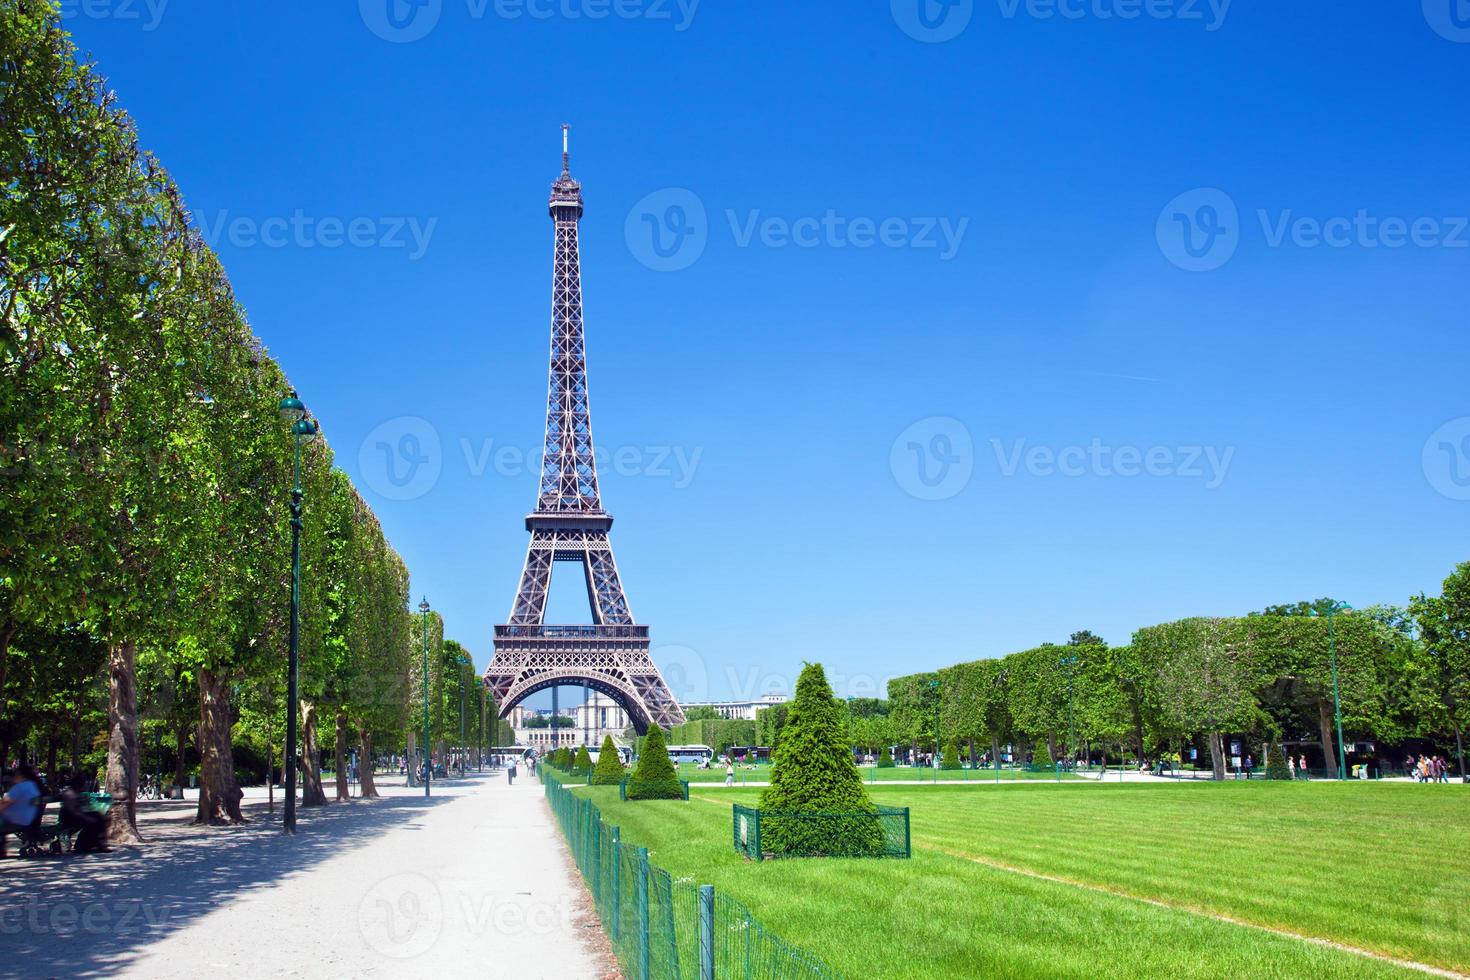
point(510, 773)
point(729, 772)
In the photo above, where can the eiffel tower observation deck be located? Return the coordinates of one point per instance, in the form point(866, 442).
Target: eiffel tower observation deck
point(611, 653)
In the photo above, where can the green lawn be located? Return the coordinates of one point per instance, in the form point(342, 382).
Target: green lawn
point(1384, 867)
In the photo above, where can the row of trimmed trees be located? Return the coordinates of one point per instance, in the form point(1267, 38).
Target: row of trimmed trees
point(144, 542)
point(1402, 673)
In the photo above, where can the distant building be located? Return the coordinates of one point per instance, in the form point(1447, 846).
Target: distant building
point(593, 719)
point(738, 710)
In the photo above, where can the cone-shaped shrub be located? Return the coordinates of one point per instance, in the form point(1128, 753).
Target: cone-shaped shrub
point(885, 758)
point(816, 782)
point(584, 761)
point(951, 756)
point(562, 759)
point(609, 770)
point(654, 777)
point(1276, 763)
point(1041, 758)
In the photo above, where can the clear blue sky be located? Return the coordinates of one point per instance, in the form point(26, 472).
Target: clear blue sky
point(1067, 156)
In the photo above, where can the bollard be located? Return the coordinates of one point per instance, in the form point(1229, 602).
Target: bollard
point(706, 932)
point(642, 913)
point(617, 886)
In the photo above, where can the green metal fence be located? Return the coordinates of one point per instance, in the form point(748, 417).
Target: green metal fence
point(666, 929)
point(760, 834)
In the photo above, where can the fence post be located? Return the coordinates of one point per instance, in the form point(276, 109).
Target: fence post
point(617, 885)
point(706, 932)
point(642, 913)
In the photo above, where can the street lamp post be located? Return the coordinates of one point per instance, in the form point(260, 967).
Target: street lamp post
point(463, 749)
point(1332, 610)
point(303, 429)
point(428, 757)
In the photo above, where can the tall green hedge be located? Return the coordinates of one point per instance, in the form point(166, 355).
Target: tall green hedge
point(718, 733)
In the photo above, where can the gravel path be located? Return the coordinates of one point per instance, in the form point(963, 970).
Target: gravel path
point(474, 879)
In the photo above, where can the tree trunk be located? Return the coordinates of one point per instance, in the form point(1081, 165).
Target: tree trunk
point(219, 793)
point(1329, 749)
point(1460, 752)
point(410, 758)
point(366, 788)
point(122, 743)
point(1051, 745)
point(76, 744)
point(344, 792)
point(995, 751)
point(1138, 731)
point(1217, 754)
point(312, 793)
point(51, 760)
point(181, 755)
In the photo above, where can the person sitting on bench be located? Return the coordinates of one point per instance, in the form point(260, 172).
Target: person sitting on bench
point(20, 808)
point(76, 815)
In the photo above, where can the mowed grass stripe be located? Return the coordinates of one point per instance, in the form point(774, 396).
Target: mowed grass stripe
point(939, 916)
point(1409, 964)
point(1317, 860)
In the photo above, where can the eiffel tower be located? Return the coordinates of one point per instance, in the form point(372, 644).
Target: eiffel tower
point(569, 525)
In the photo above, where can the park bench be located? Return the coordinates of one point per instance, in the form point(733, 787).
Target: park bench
point(41, 838)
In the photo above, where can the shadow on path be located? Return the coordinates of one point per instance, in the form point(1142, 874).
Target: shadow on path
point(85, 915)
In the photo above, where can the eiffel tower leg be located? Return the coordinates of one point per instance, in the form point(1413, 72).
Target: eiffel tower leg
point(530, 604)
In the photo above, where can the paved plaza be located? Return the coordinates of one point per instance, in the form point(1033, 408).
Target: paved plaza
point(475, 877)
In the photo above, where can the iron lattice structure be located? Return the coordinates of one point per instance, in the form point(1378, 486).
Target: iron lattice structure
point(569, 525)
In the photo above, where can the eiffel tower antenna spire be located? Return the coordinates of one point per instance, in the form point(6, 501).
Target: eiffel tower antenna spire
point(566, 157)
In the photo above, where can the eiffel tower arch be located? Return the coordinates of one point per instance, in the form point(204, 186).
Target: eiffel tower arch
point(611, 654)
